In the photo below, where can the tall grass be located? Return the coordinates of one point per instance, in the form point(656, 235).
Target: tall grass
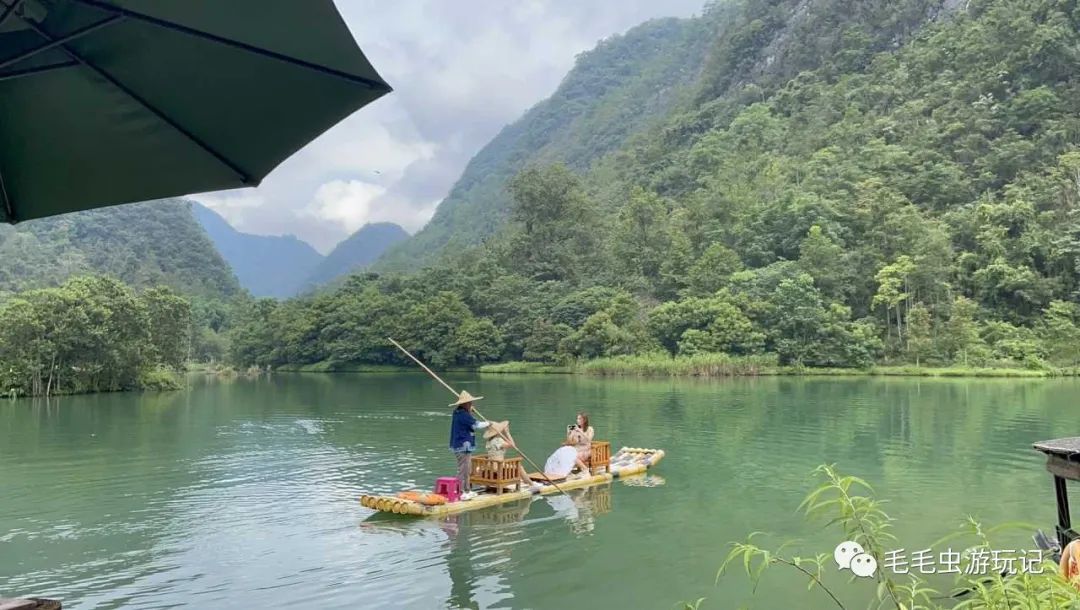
point(526, 367)
point(699, 365)
point(331, 366)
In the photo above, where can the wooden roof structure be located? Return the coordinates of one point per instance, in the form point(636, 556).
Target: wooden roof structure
point(1063, 461)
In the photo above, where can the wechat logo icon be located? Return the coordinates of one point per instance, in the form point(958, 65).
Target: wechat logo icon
point(851, 555)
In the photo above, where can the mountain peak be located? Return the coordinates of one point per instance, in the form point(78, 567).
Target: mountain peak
point(358, 251)
point(266, 265)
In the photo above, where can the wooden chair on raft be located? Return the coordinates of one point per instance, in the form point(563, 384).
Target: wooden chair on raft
point(599, 456)
point(495, 474)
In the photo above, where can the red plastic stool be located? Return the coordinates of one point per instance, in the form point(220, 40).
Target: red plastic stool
point(449, 487)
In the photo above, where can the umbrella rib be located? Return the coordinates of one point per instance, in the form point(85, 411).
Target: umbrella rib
point(9, 210)
point(171, 25)
point(56, 42)
point(244, 177)
point(13, 74)
point(8, 10)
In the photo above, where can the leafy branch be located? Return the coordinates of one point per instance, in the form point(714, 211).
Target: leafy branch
point(862, 520)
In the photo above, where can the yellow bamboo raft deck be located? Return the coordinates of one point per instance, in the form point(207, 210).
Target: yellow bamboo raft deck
point(628, 461)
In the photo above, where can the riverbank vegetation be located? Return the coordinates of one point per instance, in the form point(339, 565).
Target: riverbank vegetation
point(862, 205)
point(847, 504)
point(723, 365)
point(92, 334)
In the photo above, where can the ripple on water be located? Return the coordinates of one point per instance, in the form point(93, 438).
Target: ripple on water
point(310, 426)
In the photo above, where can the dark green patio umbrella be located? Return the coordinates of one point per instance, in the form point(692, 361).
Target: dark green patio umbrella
point(112, 101)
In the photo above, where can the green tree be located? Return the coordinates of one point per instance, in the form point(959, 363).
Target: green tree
point(557, 237)
point(477, 341)
point(1060, 333)
point(576, 307)
point(806, 332)
point(711, 272)
point(892, 291)
point(170, 326)
point(251, 340)
point(430, 327)
point(960, 337)
point(920, 337)
point(641, 234)
point(675, 268)
point(823, 260)
point(598, 336)
point(542, 344)
point(90, 334)
point(799, 317)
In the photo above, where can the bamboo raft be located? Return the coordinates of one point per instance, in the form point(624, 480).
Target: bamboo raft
point(627, 462)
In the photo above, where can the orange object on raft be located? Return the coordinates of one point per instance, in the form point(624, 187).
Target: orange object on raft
point(423, 497)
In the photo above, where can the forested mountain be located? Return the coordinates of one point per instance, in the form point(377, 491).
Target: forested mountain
point(356, 252)
point(615, 90)
point(143, 245)
point(266, 265)
point(843, 183)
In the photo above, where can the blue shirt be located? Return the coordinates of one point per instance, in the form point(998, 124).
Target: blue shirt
point(462, 439)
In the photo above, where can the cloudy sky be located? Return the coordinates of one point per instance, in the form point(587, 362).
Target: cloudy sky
point(461, 70)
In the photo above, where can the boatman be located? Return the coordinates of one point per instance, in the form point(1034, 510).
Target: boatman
point(463, 440)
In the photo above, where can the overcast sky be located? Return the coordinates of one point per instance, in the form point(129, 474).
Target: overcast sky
point(461, 70)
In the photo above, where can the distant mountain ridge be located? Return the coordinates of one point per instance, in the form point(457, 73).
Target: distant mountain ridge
point(357, 252)
point(283, 266)
point(142, 244)
point(266, 265)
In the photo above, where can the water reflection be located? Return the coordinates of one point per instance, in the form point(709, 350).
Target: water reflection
point(644, 480)
point(580, 507)
point(482, 549)
point(459, 564)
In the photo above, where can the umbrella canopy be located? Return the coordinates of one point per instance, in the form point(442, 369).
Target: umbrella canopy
point(108, 102)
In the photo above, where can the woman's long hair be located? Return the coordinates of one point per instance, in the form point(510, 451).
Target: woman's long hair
point(584, 419)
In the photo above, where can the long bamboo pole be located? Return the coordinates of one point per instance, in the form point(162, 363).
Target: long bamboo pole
point(455, 393)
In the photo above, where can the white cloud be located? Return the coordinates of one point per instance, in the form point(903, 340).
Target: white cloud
point(460, 71)
point(346, 203)
point(232, 205)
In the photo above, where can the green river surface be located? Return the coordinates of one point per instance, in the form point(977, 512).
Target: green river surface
point(244, 493)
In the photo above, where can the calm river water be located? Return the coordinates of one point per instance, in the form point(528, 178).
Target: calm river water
point(245, 493)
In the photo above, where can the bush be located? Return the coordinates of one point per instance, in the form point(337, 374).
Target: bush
point(160, 379)
point(698, 365)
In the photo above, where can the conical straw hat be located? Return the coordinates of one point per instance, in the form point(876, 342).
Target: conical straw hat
point(465, 397)
point(496, 428)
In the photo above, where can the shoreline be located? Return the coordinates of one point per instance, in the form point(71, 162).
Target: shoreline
point(702, 366)
point(725, 365)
